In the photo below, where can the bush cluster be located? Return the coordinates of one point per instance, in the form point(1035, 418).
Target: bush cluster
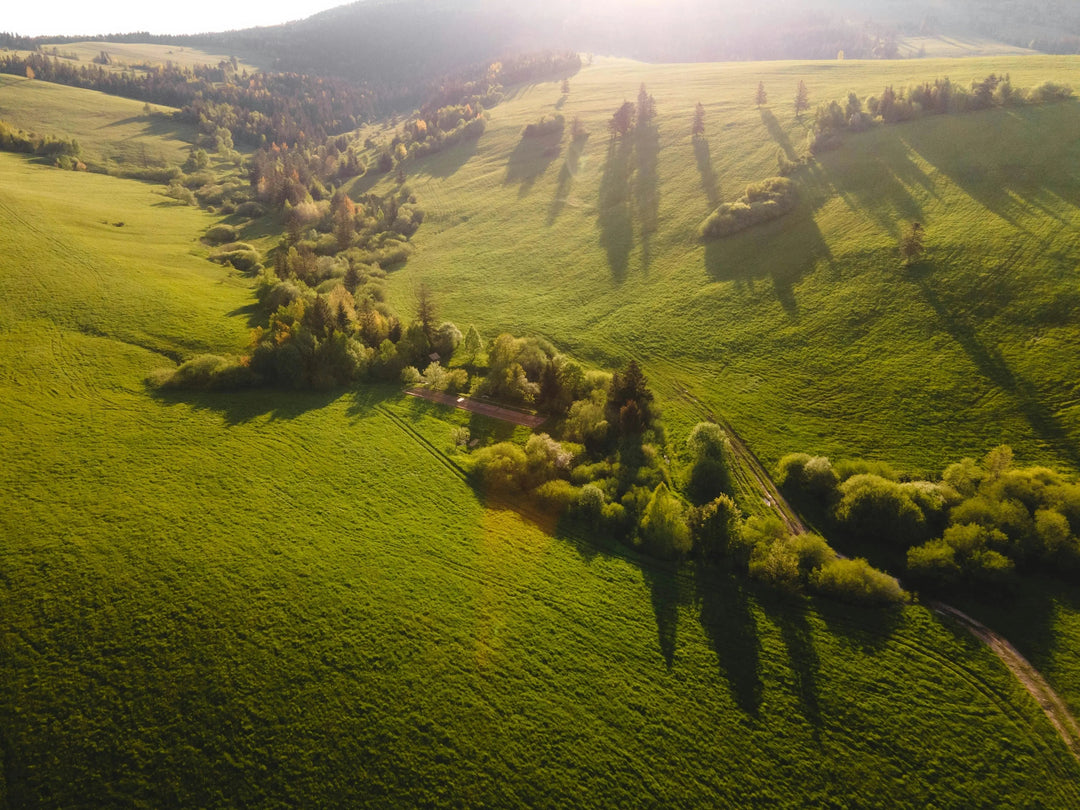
point(979, 526)
point(545, 126)
point(940, 97)
point(763, 202)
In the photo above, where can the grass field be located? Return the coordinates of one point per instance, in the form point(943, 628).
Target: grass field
point(113, 132)
point(805, 333)
point(293, 599)
point(126, 55)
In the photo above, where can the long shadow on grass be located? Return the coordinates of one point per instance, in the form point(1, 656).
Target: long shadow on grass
point(664, 594)
point(992, 365)
point(880, 188)
point(790, 615)
point(530, 159)
point(732, 632)
point(615, 218)
point(1027, 619)
point(239, 407)
point(777, 133)
point(783, 251)
point(709, 181)
point(1008, 188)
point(567, 174)
point(647, 184)
point(446, 163)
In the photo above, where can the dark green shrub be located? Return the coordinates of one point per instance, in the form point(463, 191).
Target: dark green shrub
point(716, 527)
point(250, 209)
point(221, 234)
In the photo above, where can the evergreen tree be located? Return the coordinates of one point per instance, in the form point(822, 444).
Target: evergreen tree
point(802, 99)
point(425, 311)
point(698, 128)
point(761, 98)
point(911, 244)
point(623, 119)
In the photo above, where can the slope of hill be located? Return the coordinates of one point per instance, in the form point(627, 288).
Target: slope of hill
point(111, 130)
point(425, 38)
point(290, 599)
point(806, 333)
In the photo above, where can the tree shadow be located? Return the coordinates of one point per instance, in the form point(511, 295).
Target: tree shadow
point(447, 162)
point(790, 613)
point(254, 313)
point(1027, 619)
point(865, 628)
point(646, 179)
point(777, 133)
point(567, 174)
point(989, 155)
point(530, 159)
point(991, 364)
point(793, 245)
point(240, 407)
point(731, 630)
point(664, 594)
point(710, 183)
point(614, 217)
point(881, 188)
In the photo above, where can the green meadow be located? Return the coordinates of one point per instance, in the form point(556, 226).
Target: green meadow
point(113, 132)
point(282, 599)
point(126, 55)
point(805, 333)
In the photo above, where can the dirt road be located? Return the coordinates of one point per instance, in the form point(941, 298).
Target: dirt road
point(482, 408)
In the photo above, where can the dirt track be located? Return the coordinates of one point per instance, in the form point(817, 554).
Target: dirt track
point(1052, 704)
point(1056, 710)
point(482, 408)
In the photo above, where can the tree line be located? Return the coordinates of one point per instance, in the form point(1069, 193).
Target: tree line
point(979, 527)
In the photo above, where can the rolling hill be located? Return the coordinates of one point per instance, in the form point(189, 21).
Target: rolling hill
point(277, 598)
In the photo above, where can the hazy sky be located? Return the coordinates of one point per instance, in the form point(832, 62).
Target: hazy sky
point(30, 18)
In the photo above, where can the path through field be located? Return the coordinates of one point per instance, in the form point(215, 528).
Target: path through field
point(474, 406)
point(1051, 703)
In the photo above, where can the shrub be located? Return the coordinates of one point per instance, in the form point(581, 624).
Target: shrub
point(545, 126)
point(591, 501)
point(813, 553)
point(246, 261)
point(812, 474)
point(857, 581)
point(410, 376)
point(557, 495)
point(663, 528)
point(763, 202)
point(209, 372)
point(250, 209)
point(546, 458)
point(502, 467)
point(878, 509)
point(1050, 91)
point(776, 563)
point(716, 527)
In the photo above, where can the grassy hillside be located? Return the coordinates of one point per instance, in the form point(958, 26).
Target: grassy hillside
point(805, 333)
point(126, 55)
point(112, 131)
point(292, 599)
